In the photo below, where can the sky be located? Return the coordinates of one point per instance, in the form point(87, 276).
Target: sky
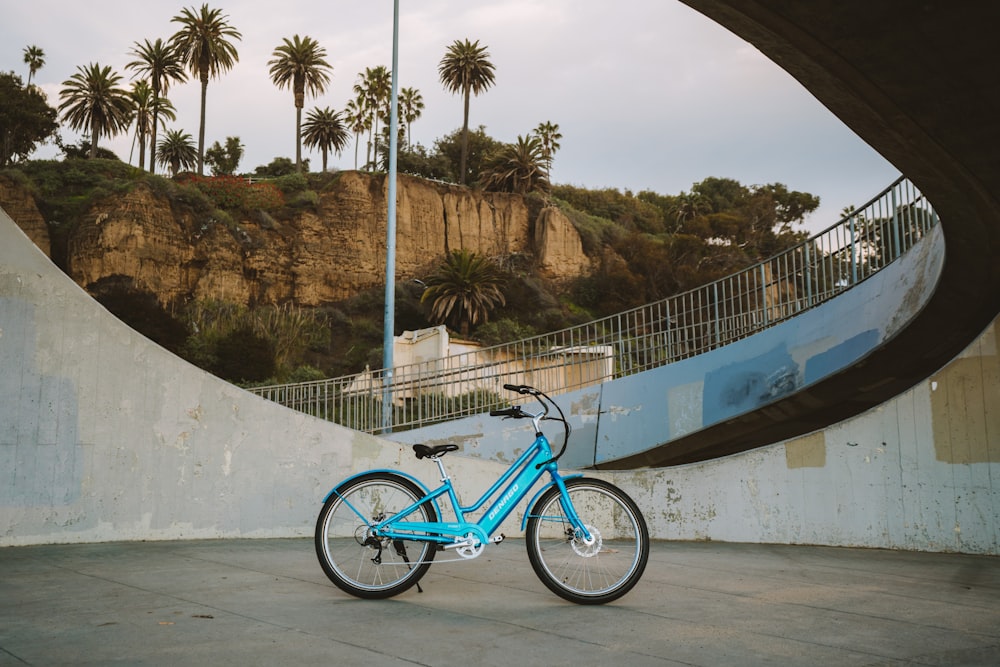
point(648, 94)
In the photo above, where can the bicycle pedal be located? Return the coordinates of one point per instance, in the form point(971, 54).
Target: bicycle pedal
point(497, 539)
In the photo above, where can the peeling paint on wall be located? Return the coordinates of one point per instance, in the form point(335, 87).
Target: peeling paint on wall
point(684, 403)
point(742, 386)
point(965, 406)
point(806, 452)
point(840, 356)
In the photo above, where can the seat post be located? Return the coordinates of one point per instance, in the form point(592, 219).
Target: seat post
point(440, 465)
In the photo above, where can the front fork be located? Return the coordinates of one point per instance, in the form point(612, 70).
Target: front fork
point(578, 529)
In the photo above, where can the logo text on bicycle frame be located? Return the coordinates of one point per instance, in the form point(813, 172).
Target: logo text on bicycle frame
point(503, 501)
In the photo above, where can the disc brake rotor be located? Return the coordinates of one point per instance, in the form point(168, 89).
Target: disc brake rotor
point(587, 550)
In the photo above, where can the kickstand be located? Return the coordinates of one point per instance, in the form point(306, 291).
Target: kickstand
point(401, 552)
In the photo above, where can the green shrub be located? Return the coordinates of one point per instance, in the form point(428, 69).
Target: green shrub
point(244, 356)
point(503, 331)
point(234, 193)
point(291, 184)
point(305, 199)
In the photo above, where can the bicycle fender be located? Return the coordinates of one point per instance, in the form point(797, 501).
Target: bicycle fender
point(531, 504)
point(420, 485)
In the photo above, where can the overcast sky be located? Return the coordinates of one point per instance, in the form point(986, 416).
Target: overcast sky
point(648, 94)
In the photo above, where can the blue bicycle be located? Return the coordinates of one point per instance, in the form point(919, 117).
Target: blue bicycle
point(378, 531)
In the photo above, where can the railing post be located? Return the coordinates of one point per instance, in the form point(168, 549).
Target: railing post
point(763, 294)
point(807, 270)
point(896, 232)
point(853, 247)
point(715, 313)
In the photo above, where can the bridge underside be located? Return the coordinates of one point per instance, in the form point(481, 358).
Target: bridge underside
point(919, 82)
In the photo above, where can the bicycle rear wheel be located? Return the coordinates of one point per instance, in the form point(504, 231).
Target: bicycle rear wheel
point(358, 562)
point(593, 573)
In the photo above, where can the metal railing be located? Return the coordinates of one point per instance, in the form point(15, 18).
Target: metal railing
point(675, 328)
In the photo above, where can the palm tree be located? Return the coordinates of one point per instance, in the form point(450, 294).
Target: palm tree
point(300, 65)
point(411, 105)
point(34, 58)
point(142, 103)
point(549, 134)
point(177, 151)
point(465, 69)
point(688, 207)
point(160, 63)
point(463, 290)
point(518, 168)
point(93, 101)
point(357, 120)
point(203, 46)
point(374, 90)
point(324, 129)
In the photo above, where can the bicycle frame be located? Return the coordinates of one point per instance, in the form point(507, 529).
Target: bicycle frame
point(516, 482)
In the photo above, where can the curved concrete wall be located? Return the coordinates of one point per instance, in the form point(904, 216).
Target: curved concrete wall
point(105, 436)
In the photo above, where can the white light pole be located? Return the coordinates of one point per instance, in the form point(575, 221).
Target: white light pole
point(390, 238)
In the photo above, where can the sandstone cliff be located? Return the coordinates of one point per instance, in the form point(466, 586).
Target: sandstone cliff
point(315, 257)
point(20, 206)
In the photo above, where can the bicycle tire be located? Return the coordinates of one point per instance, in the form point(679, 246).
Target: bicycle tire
point(368, 567)
point(588, 574)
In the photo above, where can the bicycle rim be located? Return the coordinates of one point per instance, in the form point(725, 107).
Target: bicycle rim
point(594, 573)
point(352, 558)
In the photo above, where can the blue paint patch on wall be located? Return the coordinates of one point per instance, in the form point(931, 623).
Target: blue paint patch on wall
point(840, 356)
point(746, 385)
point(41, 462)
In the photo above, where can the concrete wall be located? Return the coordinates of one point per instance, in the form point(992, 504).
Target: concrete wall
point(919, 472)
point(105, 436)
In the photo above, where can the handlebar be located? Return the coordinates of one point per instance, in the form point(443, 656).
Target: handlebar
point(516, 412)
point(522, 389)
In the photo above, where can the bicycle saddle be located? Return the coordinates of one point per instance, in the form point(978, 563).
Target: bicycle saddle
point(426, 452)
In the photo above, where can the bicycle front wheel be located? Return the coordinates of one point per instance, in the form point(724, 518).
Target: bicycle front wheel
point(606, 568)
point(358, 562)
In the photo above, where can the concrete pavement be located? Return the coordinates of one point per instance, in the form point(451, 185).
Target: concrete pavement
point(267, 602)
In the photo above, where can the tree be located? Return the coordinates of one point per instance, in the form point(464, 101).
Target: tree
point(373, 91)
point(463, 290)
point(324, 129)
point(479, 147)
point(224, 160)
point(203, 46)
point(382, 161)
point(411, 105)
point(690, 206)
point(142, 96)
point(465, 69)
point(549, 135)
point(34, 58)
point(301, 66)
point(357, 121)
point(279, 166)
point(176, 151)
point(517, 168)
point(161, 65)
point(26, 119)
point(417, 162)
point(93, 101)
point(757, 219)
point(144, 105)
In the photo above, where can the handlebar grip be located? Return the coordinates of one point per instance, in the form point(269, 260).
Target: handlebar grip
point(519, 388)
point(514, 411)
